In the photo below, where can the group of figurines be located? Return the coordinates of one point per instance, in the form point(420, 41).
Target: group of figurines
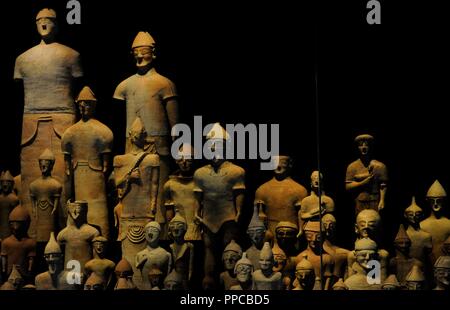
point(57, 208)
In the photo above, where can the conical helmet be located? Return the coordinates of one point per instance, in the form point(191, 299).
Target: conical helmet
point(391, 280)
point(52, 246)
point(401, 234)
point(143, 38)
point(413, 207)
point(415, 274)
point(266, 252)
point(436, 190)
point(47, 155)
point(178, 218)
point(6, 176)
point(46, 13)
point(256, 222)
point(233, 247)
point(243, 261)
point(304, 264)
point(217, 132)
point(365, 244)
point(86, 94)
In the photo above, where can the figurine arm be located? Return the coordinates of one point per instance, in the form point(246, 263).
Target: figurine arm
point(239, 201)
point(154, 190)
point(68, 164)
point(140, 261)
point(4, 259)
point(172, 111)
point(106, 158)
point(55, 204)
point(354, 185)
point(383, 188)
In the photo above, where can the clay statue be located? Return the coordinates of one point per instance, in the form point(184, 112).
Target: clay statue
point(256, 231)
point(87, 147)
point(310, 204)
point(391, 283)
point(319, 258)
point(219, 189)
point(446, 247)
point(94, 283)
point(437, 224)
point(265, 278)
point(304, 275)
point(282, 265)
point(231, 254)
point(279, 199)
point(45, 193)
point(152, 255)
point(153, 98)
point(179, 195)
point(339, 286)
point(15, 281)
point(367, 178)
point(174, 281)
point(49, 72)
point(402, 263)
point(136, 177)
point(442, 273)
point(102, 267)
point(155, 278)
point(55, 278)
point(365, 251)
point(77, 236)
point(415, 279)
point(8, 200)
point(18, 249)
point(124, 274)
point(338, 254)
point(286, 237)
point(243, 270)
point(182, 251)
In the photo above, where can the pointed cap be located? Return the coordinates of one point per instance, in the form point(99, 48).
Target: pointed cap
point(233, 247)
point(19, 214)
point(277, 251)
point(312, 226)
point(46, 13)
point(15, 274)
point(100, 239)
point(6, 176)
point(286, 224)
point(401, 234)
point(243, 261)
point(143, 38)
point(186, 150)
point(47, 155)
point(391, 280)
point(436, 190)
point(304, 264)
point(365, 244)
point(364, 137)
point(415, 274)
point(340, 285)
point(124, 267)
point(256, 222)
point(442, 262)
point(217, 132)
point(153, 224)
point(178, 218)
point(86, 94)
point(266, 251)
point(52, 246)
point(413, 207)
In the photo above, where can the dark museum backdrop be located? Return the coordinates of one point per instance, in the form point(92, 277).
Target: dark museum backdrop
point(256, 63)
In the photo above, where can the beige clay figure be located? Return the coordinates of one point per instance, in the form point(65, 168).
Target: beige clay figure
point(231, 254)
point(8, 201)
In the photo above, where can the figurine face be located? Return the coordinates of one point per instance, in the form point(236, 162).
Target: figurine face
point(18, 228)
point(143, 56)
point(229, 259)
point(280, 262)
point(46, 166)
point(256, 236)
point(442, 276)
point(329, 227)
point(173, 286)
point(414, 217)
point(154, 279)
point(304, 277)
point(286, 237)
point(364, 147)
point(366, 226)
point(87, 109)
point(315, 180)
point(266, 263)
point(436, 203)
point(403, 245)
point(6, 186)
point(75, 211)
point(46, 27)
point(284, 167)
point(185, 164)
point(99, 247)
point(244, 273)
point(55, 262)
point(364, 256)
point(313, 238)
point(415, 286)
point(152, 234)
point(177, 230)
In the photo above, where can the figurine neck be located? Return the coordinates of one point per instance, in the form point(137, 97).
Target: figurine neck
point(246, 285)
point(48, 40)
point(153, 245)
point(98, 255)
point(137, 147)
point(144, 69)
point(267, 272)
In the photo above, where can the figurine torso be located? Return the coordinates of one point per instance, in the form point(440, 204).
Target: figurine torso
point(439, 229)
point(421, 243)
point(17, 252)
point(261, 282)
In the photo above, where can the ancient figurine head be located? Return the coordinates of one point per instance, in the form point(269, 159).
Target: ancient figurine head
point(6, 182)
point(231, 254)
point(86, 102)
point(266, 260)
point(284, 167)
point(217, 138)
point(329, 225)
point(177, 227)
point(186, 159)
point(339, 285)
point(19, 221)
point(155, 277)
point(124, 274)
point(46, 24)
point(286, 234)
point(304, 273)
point(78, 211)
point(94, 283)
point(316, 180)
point(313, 235)
point(279, 257)
point(54, 256)
point(413, 214)
point(152, 233)
point(174, 281)
point(143, 49)
point(436, 196)
point(366, 250)
point(15, 279)
point(137, 133)
point(364, 143)
point(402, 242)
point(46, 162)
point(256, 229)
point(99, 245)
point(243, 269)
point(442, 272)
point(367, 223)
point(415, 279)
point(391, 283)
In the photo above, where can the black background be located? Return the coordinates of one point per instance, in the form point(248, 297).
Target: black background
point(256, 62)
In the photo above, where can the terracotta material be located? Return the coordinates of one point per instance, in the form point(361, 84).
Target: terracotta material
point(155, 277)
point(174, 281)
point(442, 273)
point(243, 270)
point(304, 275)
point(47, 71)
point(124, 274)
point(8, 200)
point(282, 265)
point(280, 198)
point(256, 231)
point(231, 254)
point(415, 279)
point(391, 283)
point(45, 193)
point(100, 266)
point(286, 237)
point(338, 254)
point(87, 147)
point(366, 177)
point(339, 286)
point(15, 281)
point(265, 278)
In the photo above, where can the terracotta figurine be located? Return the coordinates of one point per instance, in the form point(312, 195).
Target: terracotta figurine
point(391, 283)
point(231, 254)
point(256, 231)
point(8, 200)
point(174, 281)
point(155, 278)
point(243, 270)
point(15, 281)
point(442, 273)
point(102, 267)
point(415, 279)
point(304, 275)
point(265, 278)
point(282, 265)
point(124, 275)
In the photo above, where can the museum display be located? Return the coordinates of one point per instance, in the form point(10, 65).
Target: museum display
point(256, 231)
point(99, 265)
point(231, 254)
point(265, 278)
point(243, 270)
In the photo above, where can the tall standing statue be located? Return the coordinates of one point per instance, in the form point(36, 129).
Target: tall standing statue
point(231, 255)
point(265, 278)
point(45, 193)
point(437, 224)
point(49, 71)
point(366, 177)
point(87, 148)
point(179, 193)
point(152, 256)
point(310, 209)
point(8, 200)
point(153, 98)
point(280, 198)
point(219, 189)
point(18, 249)
point(77, 236)
point(256, 231)
point(102, 267)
